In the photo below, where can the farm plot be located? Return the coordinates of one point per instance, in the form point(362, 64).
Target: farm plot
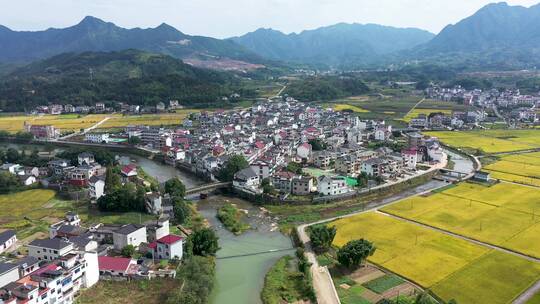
point(488, 279)
point(489, 214)
point(450, 267)
point(491, 141)
point(165, 119)
point(414, 113)
point(401, 245)
point(521, 168)
point(68, 122)
point(342, 107)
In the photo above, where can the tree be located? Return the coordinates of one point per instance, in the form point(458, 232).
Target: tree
point(175, 188)
point(317, 145)
point(181, 211)
point(134, 140)
point(362, 180)
point(205, 242)
point(233, 165)
point(128, 251)
point(9, 183)
point(12, 155)
point(294, 167)
point(354, 253)
point(322, 237)
point(424, 298)
point(112, 180)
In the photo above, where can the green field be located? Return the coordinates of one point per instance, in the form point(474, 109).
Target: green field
point(452, 268)
point(489, 214)
point(491, 141)
point(414, 113)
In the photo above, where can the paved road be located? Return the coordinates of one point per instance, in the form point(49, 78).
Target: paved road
point(528, 294)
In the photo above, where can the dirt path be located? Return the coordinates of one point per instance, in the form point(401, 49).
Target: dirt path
point(415, 106)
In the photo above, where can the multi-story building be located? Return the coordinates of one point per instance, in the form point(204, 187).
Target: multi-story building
point(42, 132)
point(327, 185)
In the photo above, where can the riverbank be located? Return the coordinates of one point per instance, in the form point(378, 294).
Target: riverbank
point(244, 260)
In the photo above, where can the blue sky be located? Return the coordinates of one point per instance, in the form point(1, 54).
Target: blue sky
point(225, 18)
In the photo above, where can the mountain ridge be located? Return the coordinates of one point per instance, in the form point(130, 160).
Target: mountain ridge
point(94, 34)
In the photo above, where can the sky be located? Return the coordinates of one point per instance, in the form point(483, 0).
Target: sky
point(227, 18)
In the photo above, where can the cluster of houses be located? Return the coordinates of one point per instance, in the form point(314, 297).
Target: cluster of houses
point(75, 257)
point(88, 176)
point(514, 105)
point(272, 134)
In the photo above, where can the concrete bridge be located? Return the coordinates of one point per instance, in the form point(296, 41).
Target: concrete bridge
point(207, 187)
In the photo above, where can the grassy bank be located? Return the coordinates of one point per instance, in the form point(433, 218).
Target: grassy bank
point(231, 217)
point(285, 282)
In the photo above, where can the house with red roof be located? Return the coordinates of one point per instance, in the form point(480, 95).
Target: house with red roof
point(129, 171)
point(167, 247)
point(117, 266)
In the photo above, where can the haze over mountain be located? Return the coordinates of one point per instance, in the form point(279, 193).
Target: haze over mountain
point(497, 33)
point(335, 45)
point(93, 34)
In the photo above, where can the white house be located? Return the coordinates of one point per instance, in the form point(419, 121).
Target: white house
point(304, 151)
point(49, 249)
point(246, 178)
point(168, 247)
point(96, 187)
point(8, 238)
point(410, 158)
point(97, 138)
point(130, 234)
point(8, 273)
point(332, 185)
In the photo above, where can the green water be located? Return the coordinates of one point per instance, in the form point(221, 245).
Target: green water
point(240, 280)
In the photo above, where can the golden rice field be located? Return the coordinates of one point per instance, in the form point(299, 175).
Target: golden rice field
point(414, 113)
point(505, 215)
point(450, 267)
point(521, 168)
point(491, 141)
point(453, 268)
point(71, 122)
point(75, 122)
point(341, 107)
point(494, 278)
point(118, 121)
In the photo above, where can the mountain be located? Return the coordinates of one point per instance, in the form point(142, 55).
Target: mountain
point(93, 34)
point(337, 45)
point(130, 76)
point(496, 33)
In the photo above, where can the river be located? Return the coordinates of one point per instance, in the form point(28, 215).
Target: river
point(238, 280)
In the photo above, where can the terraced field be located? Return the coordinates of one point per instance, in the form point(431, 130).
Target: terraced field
point(452, 268)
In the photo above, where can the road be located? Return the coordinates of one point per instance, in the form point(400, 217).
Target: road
point(87, 129)
point(528, 294)
point(281, 91)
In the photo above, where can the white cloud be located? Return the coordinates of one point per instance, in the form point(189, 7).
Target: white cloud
point(224, 18)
